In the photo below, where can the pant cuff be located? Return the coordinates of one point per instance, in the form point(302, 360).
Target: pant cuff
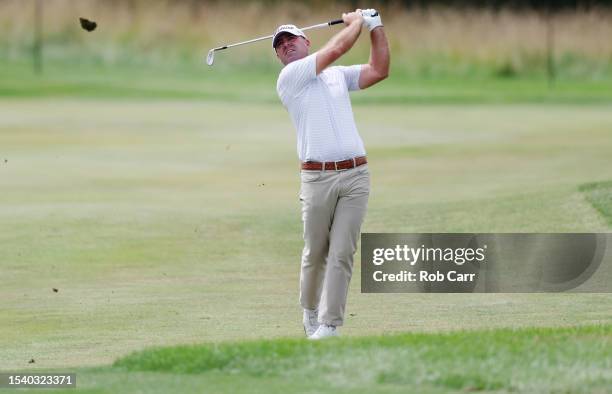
point(335, 322)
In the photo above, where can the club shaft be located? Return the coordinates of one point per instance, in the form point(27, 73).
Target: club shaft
point(244, 42)
point(317, 26)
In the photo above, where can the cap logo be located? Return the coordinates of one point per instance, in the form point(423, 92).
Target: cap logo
point(286, 27)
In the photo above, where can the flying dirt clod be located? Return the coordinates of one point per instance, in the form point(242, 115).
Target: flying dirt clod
point(88, 25)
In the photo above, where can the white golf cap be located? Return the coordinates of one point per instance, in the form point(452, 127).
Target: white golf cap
point(291, 29)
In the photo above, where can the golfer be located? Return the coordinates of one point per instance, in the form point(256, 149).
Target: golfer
point(335, 181)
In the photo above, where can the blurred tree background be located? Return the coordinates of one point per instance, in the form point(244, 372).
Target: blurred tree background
point(430, 40)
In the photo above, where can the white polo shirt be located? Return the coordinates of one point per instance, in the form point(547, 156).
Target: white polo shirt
point(320, 109)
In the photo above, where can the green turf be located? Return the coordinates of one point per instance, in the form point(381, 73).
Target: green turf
point(528, 360)
point(570, 360)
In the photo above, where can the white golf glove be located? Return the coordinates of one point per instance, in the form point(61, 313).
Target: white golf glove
point(371, 18)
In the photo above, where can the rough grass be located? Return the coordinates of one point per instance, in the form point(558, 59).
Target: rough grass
point(599, 194)
point(230, 84)
point(525, 360)
point(543, 360)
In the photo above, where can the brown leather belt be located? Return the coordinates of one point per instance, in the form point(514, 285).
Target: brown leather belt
point(334, 165)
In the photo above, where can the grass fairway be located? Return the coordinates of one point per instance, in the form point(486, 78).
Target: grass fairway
point(164, 222)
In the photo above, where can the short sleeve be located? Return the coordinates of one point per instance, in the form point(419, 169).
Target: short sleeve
point(351, 75)
point(296, 76)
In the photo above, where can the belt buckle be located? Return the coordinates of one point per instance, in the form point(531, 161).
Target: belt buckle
point(340, 169)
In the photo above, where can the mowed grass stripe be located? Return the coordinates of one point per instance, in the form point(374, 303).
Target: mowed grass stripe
point(507, 359)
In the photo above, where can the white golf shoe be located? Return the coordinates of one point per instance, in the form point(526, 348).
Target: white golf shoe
point(324, 331)
point(310, 321)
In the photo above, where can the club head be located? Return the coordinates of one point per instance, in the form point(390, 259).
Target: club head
point(210, 58)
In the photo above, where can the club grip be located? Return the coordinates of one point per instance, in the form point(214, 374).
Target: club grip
point(335, 22)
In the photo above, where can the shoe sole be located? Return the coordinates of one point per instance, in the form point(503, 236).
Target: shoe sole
point(306, 332)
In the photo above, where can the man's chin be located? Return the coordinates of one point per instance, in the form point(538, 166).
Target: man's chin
point(293, 57)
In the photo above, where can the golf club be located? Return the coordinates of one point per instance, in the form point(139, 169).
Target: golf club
point(210, 58)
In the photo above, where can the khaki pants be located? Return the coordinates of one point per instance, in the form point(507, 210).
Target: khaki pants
point(334, 204)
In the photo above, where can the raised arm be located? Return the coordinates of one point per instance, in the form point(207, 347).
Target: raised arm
point(339, 44)
point(377, 68)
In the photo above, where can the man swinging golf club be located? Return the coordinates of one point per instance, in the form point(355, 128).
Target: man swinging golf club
point(335, 181)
